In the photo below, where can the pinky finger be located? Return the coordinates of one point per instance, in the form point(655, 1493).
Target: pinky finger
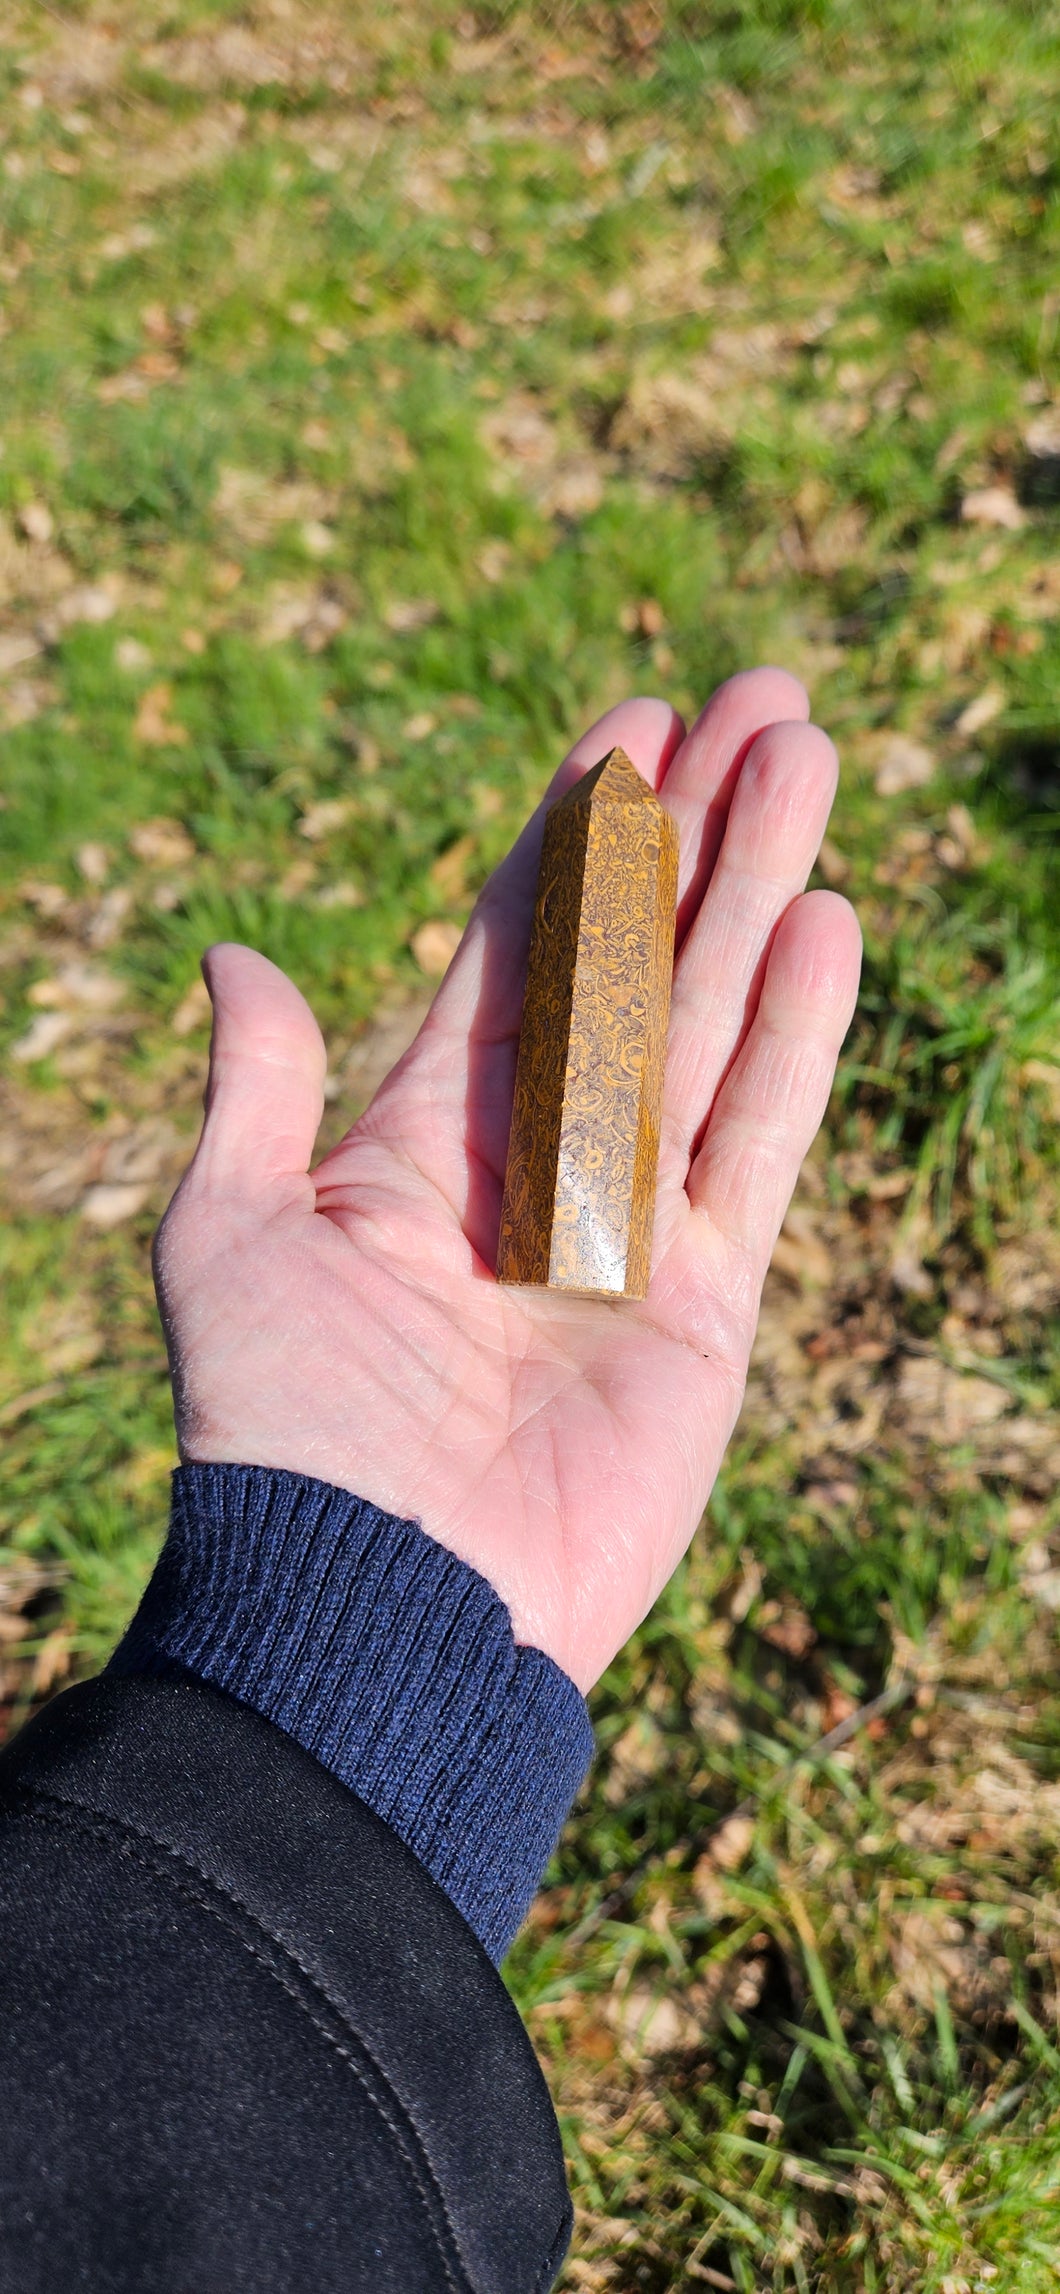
point(771, 1104)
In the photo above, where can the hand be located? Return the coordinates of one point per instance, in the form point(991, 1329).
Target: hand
point(347, 1323)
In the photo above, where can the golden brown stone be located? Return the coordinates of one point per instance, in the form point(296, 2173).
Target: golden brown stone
point(579, 1193)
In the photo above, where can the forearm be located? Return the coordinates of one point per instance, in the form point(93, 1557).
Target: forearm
point(248, 2040)
point(248, 1883)
point(387, 1658)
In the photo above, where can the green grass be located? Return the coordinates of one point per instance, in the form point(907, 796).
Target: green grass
point(384, 396)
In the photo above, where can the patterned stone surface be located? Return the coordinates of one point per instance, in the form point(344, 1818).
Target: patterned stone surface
point(579, 1195)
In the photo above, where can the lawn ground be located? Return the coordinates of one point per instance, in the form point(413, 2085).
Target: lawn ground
point(384, 393)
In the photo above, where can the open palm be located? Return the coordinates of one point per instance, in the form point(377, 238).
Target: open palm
point(347, 1323)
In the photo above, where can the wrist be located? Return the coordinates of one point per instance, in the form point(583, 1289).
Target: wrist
point(385, 1656)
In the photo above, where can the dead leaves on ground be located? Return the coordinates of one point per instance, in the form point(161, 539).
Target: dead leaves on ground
point(434, 945)
point(905, 1886)
point(33, 1660)
point(838, 1366)
point(549, 463)
point(53, 1161)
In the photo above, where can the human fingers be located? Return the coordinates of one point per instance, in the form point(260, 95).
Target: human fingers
point(777, 817)
point(700, 779)
point(766, 1116)
point(650, 732)
point(265, 1091)
point(695, 773)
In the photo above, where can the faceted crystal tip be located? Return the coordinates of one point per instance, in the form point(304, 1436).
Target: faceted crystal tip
point(615, 780)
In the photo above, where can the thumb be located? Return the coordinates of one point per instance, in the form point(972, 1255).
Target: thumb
point(265, 1092)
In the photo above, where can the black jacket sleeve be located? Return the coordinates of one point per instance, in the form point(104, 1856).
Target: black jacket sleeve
point(246, 2042)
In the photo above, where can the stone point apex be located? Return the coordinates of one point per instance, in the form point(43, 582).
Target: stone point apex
point(615, 780)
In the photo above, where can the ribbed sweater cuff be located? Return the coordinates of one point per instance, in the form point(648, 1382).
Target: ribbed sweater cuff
point(384, 1655)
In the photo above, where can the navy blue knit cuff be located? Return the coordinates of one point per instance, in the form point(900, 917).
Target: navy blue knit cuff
point(384, 1655)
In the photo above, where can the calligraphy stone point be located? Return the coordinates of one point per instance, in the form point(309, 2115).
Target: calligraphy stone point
point(579, 1192)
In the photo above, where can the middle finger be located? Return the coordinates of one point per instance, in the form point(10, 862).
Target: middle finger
point(776, 819)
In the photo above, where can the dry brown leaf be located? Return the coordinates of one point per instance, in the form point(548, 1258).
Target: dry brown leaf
point(980, 711)
point(448, 873)
point(404, 614)
point(62, 1334)
point(42, 1037)
point(1038, 1578)
point(710, 1891)
point(78, 987)
point(493, 560)
point(343, 894)
point(36, 522)
point(749, 1986)
point(668, 420)
point(946, 1406)
point(993, 506)
point(105, 923)
point(318, 539)
point(154, 725)
point(143, 1153)
point(645, 617)
point(748, 1586)
point(58, 1186)
point(225, 576)
point(833, 864)
point(93, 602)
point(836, 542)
point(965, 630)
point(651, 2022)
point(128, 386)
point(638, 1755)
point(254, 505)
point(909, 1243)
point(193, 1010)
point(575, 489)
point(53, 1661)
point(22, 701)
point(379, 1048)
point(434, 945)
point(713, 1714)
point(520, 432)
point(789, 1630)
point(161, 843)
point(1046, 1074)
point(296, 879)
point(903, 764)
point(731, 1844)
point(16, 648)
point(932, 1952)
point(308, 614)
point(1042, 436)
point(320, 820)
point(961, 842)
point(93, 863)
point(800, 1253)
point(109, 1206)
point(20, 1582)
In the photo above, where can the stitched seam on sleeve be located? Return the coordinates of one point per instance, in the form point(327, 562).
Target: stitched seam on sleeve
point(61, 1811)
point(555, 2254)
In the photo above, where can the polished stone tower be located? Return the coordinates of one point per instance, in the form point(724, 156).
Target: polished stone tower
point(579, 1196)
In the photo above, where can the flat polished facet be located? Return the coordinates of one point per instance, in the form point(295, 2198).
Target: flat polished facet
point(579, 1194)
